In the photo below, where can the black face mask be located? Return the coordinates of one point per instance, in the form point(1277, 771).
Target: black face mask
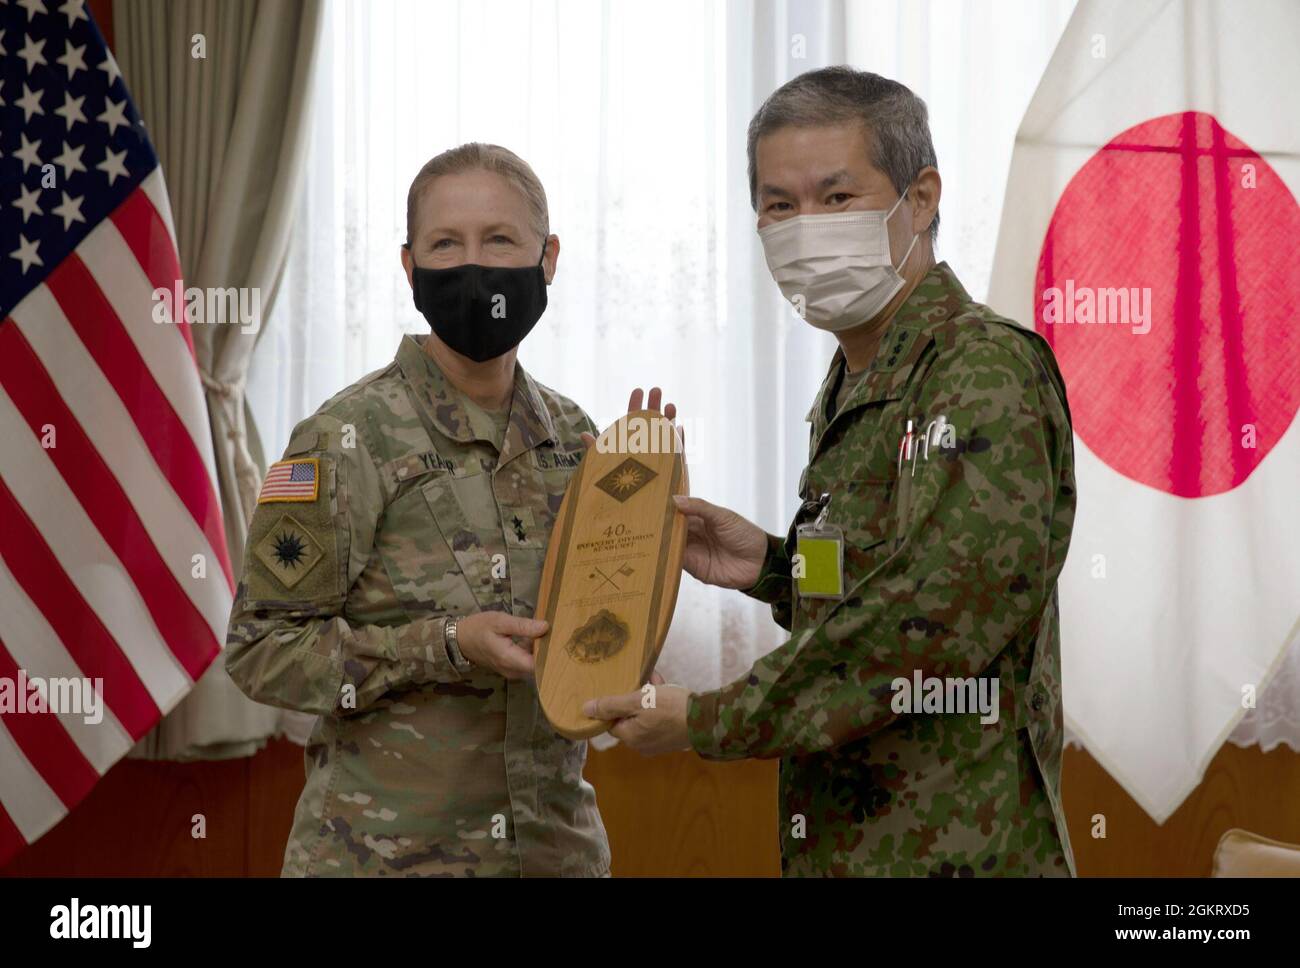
point(480, 311)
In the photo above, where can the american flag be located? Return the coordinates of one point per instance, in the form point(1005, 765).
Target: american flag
point(113, 561)
point(290, 480)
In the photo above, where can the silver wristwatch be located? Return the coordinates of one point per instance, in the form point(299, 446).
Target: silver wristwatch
point(458, 660)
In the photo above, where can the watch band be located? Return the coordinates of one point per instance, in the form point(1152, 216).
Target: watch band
point(454, 655)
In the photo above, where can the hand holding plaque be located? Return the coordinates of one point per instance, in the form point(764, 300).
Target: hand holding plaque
point(613, 566)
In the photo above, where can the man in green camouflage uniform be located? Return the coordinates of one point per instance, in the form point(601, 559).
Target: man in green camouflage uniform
point(400, 506)
point(953, 538)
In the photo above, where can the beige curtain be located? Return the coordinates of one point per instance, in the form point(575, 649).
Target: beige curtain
point(223, 86)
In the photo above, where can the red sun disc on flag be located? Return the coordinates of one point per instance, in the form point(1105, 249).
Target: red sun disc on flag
point(1168, 286)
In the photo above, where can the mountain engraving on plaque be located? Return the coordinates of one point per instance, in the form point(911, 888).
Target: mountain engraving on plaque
point(602, 636)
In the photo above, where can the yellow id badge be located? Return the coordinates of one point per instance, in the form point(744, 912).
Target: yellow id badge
point(821, 548)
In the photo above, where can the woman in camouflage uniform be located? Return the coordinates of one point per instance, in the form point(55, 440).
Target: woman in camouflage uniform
point(397, 548)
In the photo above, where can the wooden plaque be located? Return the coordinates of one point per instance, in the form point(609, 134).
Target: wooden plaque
point(613, 564)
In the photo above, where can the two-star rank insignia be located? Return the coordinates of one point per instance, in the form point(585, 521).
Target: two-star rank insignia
point(517, 524)
point(288, 551)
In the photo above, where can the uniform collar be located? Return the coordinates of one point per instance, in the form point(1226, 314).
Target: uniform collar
point(830, 382)
point(444, 405)
point(530, 419)
point(937, 297)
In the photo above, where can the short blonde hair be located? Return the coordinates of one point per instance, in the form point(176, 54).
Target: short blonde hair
point(476, 156)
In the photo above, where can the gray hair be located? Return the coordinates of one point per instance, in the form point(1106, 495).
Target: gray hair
point(476, 156)
point(895, 121)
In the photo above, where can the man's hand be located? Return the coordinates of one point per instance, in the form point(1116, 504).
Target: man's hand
point(484, 639)
point(722, 548)
point(661, 728)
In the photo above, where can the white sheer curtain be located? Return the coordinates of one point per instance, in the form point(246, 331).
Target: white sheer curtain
point(634, 116)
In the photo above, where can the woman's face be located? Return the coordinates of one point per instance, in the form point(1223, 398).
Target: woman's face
point(476, 217)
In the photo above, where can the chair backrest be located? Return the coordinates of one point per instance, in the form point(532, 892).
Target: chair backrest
point(1241, 853)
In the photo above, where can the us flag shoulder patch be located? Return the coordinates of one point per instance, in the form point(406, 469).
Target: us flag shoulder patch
point(291, 480)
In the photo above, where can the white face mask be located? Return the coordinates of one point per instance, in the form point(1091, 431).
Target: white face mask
point(835, 269)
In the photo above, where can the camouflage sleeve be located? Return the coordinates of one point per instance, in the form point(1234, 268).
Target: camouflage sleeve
point(288, 644)
point(773, 585)
point(969, 570)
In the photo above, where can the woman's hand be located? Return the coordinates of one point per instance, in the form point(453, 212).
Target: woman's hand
point(484, 638)
point(634, 404)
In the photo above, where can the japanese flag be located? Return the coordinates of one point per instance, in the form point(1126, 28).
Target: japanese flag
point(1151, 234)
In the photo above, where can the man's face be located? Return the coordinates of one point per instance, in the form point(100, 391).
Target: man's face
point(815, 171)
point(475, 217)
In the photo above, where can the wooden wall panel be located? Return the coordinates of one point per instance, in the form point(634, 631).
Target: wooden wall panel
point(679, 814)
point(102, 11)
point(1242, 788)
point(275, 781)
point(667, 815)
point(137, 820)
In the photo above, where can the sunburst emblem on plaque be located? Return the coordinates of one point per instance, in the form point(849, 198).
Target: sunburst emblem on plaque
point(626, 479)
point(601, 636)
